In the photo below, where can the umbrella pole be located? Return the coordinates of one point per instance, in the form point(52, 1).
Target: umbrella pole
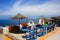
point(19, 21)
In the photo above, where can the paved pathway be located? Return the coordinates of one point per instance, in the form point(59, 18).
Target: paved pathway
point(56, 36)
point(18, 36)
point(1, 38)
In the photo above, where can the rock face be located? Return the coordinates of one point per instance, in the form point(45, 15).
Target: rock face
point(1, 30)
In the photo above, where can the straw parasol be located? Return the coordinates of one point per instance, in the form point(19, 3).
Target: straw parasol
point(19, 16)
point(49, 19)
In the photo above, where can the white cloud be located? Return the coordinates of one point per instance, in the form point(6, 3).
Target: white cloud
point(44, 8)
point(48, 8)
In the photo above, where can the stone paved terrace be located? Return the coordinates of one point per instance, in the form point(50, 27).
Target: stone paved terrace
point(1, 38)
point(54, 36)
point(17, 36)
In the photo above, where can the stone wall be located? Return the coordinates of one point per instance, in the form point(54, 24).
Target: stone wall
point(1, 30)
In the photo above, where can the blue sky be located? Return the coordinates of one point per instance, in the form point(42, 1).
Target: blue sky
point(29, 8)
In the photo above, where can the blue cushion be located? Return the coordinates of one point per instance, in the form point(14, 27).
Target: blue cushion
point(32, 32)
point(24, 30)
point(44, 33)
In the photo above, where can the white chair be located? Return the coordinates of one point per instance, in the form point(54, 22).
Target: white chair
point(31, 23)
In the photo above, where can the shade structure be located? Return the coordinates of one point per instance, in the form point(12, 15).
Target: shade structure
point(19, 16)
point(50, 19)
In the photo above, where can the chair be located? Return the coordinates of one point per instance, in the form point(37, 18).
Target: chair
point(32, 34)
point(48, 29)
point(38, 31)
point(27, 37)
point(40, 34)
point(24, 29)
point(52, 27)
point(29, 28)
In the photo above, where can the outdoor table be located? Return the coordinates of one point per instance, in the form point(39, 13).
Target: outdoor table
point(35, 33)
point(44, 28)
point(49, 28)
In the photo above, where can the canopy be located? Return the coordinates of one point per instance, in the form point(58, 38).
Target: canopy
point(19, 16)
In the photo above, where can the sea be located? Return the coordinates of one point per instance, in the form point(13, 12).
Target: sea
point(4, 22)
